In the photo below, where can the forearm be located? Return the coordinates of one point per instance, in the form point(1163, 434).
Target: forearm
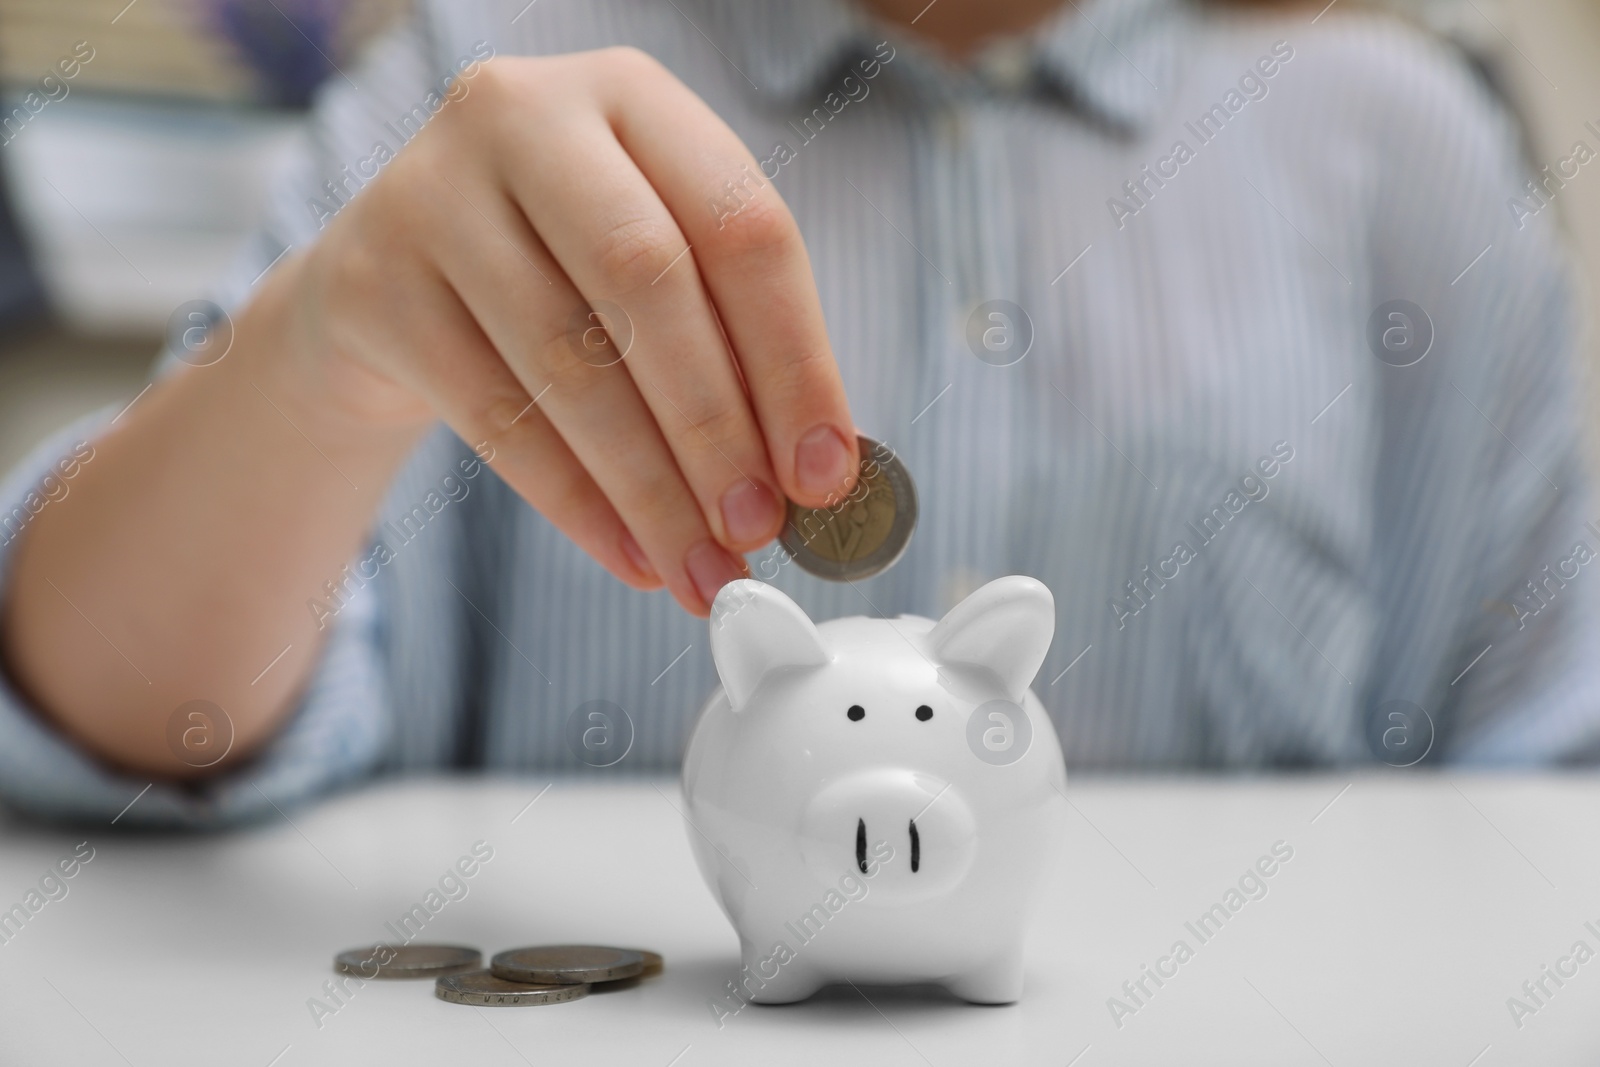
point(182, 562)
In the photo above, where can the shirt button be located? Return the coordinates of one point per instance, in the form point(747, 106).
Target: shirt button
point(1007, 65)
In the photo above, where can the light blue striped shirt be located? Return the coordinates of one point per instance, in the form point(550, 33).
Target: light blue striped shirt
point(1260, 535)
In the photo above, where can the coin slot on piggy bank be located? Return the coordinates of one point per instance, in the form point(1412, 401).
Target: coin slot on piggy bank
point(877, 800)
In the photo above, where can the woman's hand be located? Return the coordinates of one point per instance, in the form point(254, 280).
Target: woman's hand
point(565, 212)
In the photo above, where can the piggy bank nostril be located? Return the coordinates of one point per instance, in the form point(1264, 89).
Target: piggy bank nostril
point(914, 834)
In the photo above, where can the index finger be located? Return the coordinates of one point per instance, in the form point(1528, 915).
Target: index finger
point(753, 261)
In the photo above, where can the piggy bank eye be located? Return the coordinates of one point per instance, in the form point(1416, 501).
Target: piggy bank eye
point(924, 713)
point(856, 713)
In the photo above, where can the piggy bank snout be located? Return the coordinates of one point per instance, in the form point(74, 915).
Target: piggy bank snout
point(902, 835)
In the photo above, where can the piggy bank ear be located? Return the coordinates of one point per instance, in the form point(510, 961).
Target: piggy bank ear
point(1004, 628)
point(756, 631)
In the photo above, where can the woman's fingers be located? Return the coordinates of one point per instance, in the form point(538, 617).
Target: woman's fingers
point(403, 316)
point(606, 225)
point(750, 253)
point(477, 396)
point(589, 413)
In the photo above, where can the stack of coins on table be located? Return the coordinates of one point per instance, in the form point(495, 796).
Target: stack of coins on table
point(518, 977)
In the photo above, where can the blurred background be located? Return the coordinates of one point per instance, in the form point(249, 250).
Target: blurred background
point(130, 194)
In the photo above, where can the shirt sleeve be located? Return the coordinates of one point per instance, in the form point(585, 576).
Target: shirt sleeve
point(336, 734)
point(340, 729)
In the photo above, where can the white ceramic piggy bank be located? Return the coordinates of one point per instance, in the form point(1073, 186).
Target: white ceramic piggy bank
point(877, 800)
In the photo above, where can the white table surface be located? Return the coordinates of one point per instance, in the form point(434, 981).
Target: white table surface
point(1413, 907)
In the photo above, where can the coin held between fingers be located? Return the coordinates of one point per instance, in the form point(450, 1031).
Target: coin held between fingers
point(867, 531)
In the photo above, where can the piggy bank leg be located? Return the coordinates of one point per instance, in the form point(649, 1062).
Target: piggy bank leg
point(794, 980)
point(997, 982)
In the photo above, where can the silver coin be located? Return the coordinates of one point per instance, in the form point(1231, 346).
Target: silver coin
point(482, 989)
point(407, 961)
point(653, 965)
point(866, 530)
point(544, 964)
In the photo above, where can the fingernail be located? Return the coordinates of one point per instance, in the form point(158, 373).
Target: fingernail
point(710, 568)
point(823, 460)
point(749, 511)
point(636, 556)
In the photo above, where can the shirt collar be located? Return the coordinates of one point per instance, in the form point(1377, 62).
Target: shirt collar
point(1116, 59)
